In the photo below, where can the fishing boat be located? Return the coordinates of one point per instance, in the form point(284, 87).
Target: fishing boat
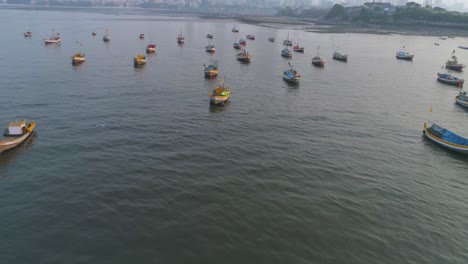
point(235, 30)
point(211, 70)
point(271, 39)
point(287, 42)
point(106, 38)
point(236, 45)
point(446, 138)
point(53, 40)
point(210, 48)
point(291, 75)
point(450, 79)
point(437, 44)
point(318, 61)
point(15, 133)
point(462, 47)
point(442, 38)
point(338, 56)
point(462, 99)
point(242, 42)
point(142, 36)
point(452, 37)
point(220, 94)
point(209, 36)
point(286, 53)
point(27, 34)
point(151, 48)
point(180, 38)
point(244, 56)
point(251, 37)
point(140, 59)
point(298, 48)
point(78, 58)
point(453, 64)
point(93, 34)
point(403, 55)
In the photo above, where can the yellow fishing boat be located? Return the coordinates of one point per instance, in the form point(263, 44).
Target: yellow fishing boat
point(15, 133)
point(78, 58)
point(140, 59)
point(220, 94)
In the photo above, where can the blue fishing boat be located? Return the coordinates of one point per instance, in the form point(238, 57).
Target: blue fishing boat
point(291, 75)
point(286, 53)
point(446, 138)
point(462, 99)
point(450, 79)
point(403, 55)
point(339, 56)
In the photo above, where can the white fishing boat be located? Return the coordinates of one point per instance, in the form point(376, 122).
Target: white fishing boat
point(15, 133)
point(53, 39)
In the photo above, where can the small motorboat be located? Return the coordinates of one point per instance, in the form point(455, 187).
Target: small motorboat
point(251, 37)
point(220, 94)
point(93, 34)
point(462, 99)
point(446, 138)
point(291, 75)
point(338, 56)
point(318, 61)
point(15, 133)
point(443, 38)
point(236, 45)
point(463, 47)
point(140, 59)
point(271, 39)
point(53, 40)
point(244, 56)
point(286, 53)
point(142, 36)
point(235, 30)
point(242, 42)
point(437, 44)
point(78, 58)
point(403, 55)
point(452, 37)
point(211, 70)
point(106, 38)
point(452, 64)
point(27, 34)
point(180, 38)
point(450, 79)
point(151, 48)
point(298, 48)
point(210, 48)
point(287, 42)
point(209, 36)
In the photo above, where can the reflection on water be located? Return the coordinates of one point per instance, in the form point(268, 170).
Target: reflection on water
point(11, 154)
point(219, 108)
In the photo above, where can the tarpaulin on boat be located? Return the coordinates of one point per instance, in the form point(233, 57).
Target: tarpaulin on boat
point(402, 53)
point(447, 135)
point(289, 74)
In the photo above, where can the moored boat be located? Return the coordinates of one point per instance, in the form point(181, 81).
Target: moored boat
point(452, 64)
point(437, 44)
point(462, 47)
point(403, 55)
point(271, 39)
point(151, 48)
point(236, 45)
point(291, 75)
point(251, 37)
point(244, 56)
point(53, 40)
point(78, 58)
point(142, 36)
point(446, 138)
point(242, 42)
point(298, 48)
point(211, 70)
point(286, 53)
point(462, 99)
point(210, 36)
point(287, 42)
point(318, 61)
point(210, 48)
point(93, 34)
point(450, 79)
point(442, 38)
point(106, 38)
point(27, 34)
point(235, 30)
point(180, 38)
point(15, 133)
point(140, 59)
point(338, 56)
point(220, 94)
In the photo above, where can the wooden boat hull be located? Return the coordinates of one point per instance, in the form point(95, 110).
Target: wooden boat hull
point(78, 60)
point(463, 47)
point(49, 41)
point(27, 34)
point(9, 143)
point(458, 83)
point(271, 39)
point(243, 59)
point(457, 67)
point(150, 50)
point(318, 63)
point(299, 50)
point(341, 58)
point(211, 50)
point(211, 73)
point(286, 55)
point(294, 80)
point(461, 102)
point(445, 144)
point(408, 58)
point(218, 99)
point(139, 62)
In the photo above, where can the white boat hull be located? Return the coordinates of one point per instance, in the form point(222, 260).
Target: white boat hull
point(7, 143)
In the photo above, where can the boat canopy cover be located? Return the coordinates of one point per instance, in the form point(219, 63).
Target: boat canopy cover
point(447, 135)
point(447, 76)
point(289, 74)
point(402, 53)
point(210, 68)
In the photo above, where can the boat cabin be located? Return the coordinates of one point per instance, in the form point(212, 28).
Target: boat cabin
point(16, 128)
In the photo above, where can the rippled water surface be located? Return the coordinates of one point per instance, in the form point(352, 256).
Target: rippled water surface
point(134, 166)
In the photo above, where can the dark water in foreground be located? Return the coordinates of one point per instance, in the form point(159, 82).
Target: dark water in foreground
point(134, 166)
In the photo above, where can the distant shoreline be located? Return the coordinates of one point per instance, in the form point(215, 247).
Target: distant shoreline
point(416, 28)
